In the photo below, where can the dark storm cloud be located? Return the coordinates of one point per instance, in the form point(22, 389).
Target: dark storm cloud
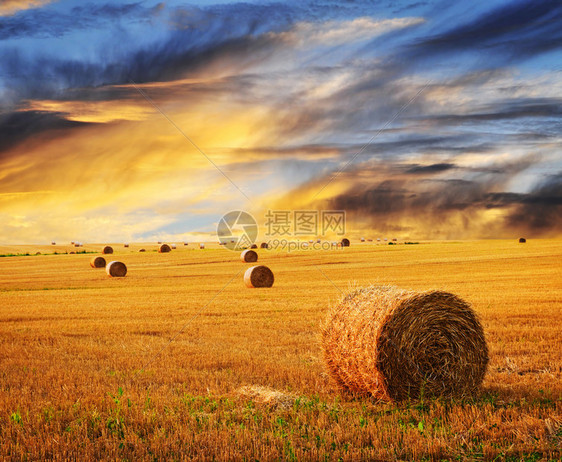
point(516, 30)
point(541, 209)
point(16, 127)
point(433, 168)
point(510, 109)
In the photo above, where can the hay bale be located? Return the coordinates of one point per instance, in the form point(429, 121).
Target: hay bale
point(53, 243)
point(345, 242)
point(254, 246)
point(76, 245)
point(164, 248)
point(249, 256)
point(159, 242)
point(395, 344)
point(72, 253)
point(185, 243)
point(126, 245)
point(362, 239)
point(107, 250)
point(264, 245)
point(142, 250)
point(97, 262)
point(173, 246)
point(258, 276)
point(72, 242)
point(522, 240)
point(116, 269)
point(201, 246)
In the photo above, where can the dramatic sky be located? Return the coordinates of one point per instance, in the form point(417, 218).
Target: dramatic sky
point(144, 120)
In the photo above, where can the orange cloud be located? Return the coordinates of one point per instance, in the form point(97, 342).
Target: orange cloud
point(9, 7)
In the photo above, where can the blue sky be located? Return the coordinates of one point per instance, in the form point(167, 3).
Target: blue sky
point(420, 119)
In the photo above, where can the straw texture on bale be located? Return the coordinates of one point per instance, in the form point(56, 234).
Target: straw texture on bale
point(107, 250)
point(522, 240)
point(345, 242)
point(249, 256)
point(395, 344)
point(97, 262)
point(264, 245)
point(116, 269)
point(258, 276)
point(164, 248)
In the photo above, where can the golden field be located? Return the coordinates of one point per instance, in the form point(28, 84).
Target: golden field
point(179, 360)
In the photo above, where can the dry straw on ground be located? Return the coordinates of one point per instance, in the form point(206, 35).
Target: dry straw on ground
point(116, 269)
point(268, 396)
point(395, 344)
point(258, 276)
point(97, 262)
point(107, 250)
point(164, 248)
point(249, 256)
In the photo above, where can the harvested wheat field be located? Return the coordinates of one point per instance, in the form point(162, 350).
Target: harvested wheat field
point(180, 361)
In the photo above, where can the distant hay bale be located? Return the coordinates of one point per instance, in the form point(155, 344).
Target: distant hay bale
point(97, 262)
point(142, 250)
point(159, 242)
point(125, 245)
point(249, 256)
point(395, 344)
point(71, 242)
point(53, 243)
point(201, 246)
point(116, 269)
point(173, 246)
point(185, 243)
point(76, 245)
point(258, 276)
point(107, 250)
point(38, 253)
point(254, 246)
point(164, 248)
point(264, 245)
point(522, 240)
point(394, 240)
point(345, 242)
point(72, 253)
point(362, 239)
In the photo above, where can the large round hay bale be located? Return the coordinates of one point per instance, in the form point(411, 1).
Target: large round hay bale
point(258, 276)
point(522, 240)
point(97, 262)
point(264, 245)
point(249, 256)
point(107, 250)
point(116, 269)
point(164, 248)
point(345, 242)
point(395, 344)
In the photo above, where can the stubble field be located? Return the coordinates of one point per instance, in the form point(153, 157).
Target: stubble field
point(179, 360)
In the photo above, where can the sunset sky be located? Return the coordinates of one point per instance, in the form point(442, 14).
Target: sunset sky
point(147, 120)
